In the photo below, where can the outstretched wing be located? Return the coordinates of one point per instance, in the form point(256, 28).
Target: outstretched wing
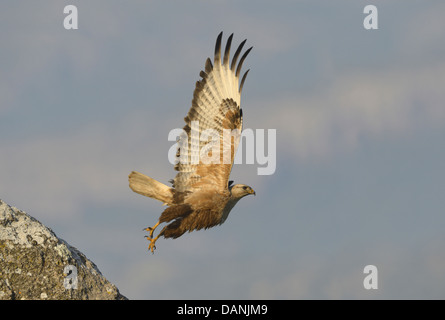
point(215, 112)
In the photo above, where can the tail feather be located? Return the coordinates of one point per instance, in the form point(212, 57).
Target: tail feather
point(146, 186)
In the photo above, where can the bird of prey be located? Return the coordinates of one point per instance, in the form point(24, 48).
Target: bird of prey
point(201, 195)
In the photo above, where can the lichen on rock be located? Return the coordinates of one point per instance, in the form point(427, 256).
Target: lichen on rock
point(33, 261)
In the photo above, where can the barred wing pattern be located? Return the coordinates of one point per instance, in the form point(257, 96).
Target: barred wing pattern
point(215, 106)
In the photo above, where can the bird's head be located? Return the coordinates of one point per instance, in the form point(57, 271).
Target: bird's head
point(241, 190)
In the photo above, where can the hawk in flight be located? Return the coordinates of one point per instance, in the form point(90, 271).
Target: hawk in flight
point(201, 195)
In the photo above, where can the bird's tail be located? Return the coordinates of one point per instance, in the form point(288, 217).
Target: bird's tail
point(142, 184)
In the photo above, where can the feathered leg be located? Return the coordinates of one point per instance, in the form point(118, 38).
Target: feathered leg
point(172, 230)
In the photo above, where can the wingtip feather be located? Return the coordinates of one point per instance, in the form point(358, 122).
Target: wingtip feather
point(227, 50)
point(242, 81)
point(240, 64)
point(217, 57)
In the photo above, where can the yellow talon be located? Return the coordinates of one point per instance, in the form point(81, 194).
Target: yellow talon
point(152, 229)
point(152, 240)
point(152, 246)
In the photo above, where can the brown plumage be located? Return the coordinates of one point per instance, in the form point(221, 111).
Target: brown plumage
point(201, 195)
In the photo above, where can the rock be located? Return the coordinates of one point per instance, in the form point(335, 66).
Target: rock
point(36, 264)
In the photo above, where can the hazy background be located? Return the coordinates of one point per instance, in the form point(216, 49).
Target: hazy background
point(360, 120)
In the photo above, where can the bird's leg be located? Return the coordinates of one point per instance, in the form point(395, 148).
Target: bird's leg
point(152, 246)
point(152, 229)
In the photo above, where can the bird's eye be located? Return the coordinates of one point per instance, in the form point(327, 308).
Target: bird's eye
point(245, 188)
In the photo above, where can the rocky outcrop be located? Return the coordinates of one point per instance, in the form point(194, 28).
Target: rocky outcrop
point(36, 264)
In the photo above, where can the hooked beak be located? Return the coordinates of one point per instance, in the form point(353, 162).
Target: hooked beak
point(252, 192)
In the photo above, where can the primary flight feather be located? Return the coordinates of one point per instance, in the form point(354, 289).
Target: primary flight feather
point(201, 195)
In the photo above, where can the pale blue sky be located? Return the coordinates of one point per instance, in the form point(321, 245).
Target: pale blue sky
point(360, 120)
